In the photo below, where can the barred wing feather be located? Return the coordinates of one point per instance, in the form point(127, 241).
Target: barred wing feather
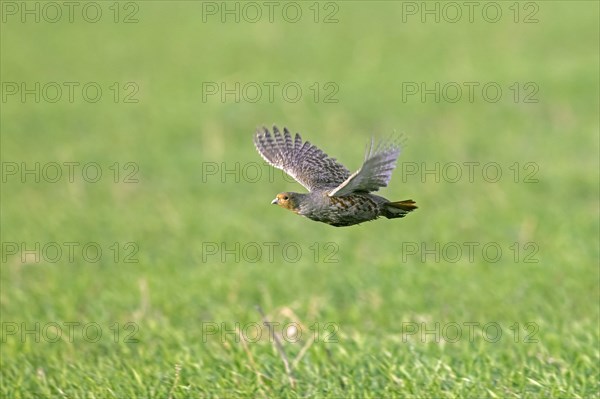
point(307, 164)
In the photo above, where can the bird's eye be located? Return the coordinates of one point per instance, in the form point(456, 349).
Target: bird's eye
point(285, 197)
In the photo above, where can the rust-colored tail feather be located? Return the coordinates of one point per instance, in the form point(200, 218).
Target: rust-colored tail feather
point(399, 209)
point(406, 205)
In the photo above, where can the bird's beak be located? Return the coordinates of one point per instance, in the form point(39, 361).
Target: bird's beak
point(274, 202)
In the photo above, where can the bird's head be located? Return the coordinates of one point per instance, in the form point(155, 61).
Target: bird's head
point(287, 200)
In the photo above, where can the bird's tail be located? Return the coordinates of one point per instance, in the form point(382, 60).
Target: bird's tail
point(398, 209)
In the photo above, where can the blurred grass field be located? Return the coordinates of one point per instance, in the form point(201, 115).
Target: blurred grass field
point(361, 307)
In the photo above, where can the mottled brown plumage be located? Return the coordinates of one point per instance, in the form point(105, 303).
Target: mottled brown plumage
point(335, 196)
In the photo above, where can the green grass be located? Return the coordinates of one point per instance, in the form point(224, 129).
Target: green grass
point(377, 290)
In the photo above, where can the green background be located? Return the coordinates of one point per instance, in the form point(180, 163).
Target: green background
point(366, 283)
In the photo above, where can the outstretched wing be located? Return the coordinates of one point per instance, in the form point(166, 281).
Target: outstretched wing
point(310, 166)
point(375, 172)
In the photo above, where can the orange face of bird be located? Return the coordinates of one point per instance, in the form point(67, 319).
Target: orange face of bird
point(285, 200)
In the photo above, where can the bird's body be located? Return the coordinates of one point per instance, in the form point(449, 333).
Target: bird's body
point(335, 197)
point(342, 211)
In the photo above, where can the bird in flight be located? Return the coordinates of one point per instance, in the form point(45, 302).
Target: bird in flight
point(335, 196)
